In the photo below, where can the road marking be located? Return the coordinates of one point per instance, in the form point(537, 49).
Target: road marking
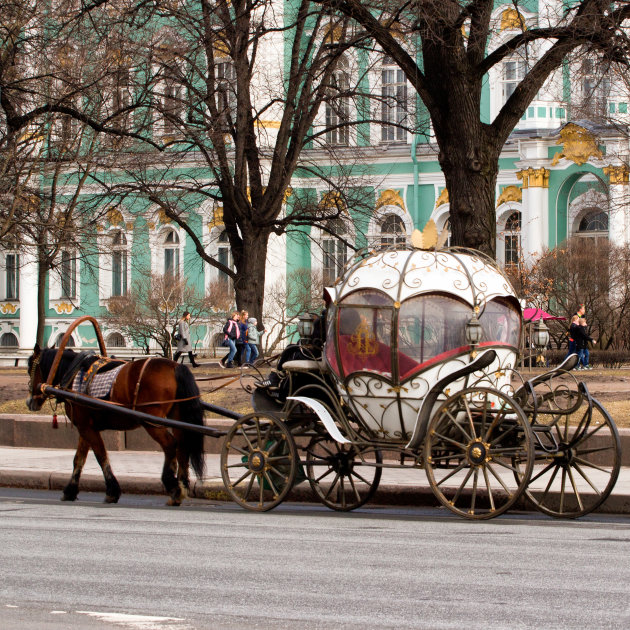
point(140, 622)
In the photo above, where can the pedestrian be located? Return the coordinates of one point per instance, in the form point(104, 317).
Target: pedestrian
point(571, 334)
point(581, 343)
point(242, 348)
point(232, 333)
point(183, 345)
point(253, 339)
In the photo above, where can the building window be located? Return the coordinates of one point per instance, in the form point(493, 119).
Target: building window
point(392, 231)
point(171, 254)
point(71, 343)
point(513, 74)
point(8, 340)
point(226, 93)
point(594, 227)
point(338, 108)
point(12, 277)
point(335, 251)
point(513, 239)
point(394, 102)
point(119, 264)
point(116, 340)
point(173, 102)
point(224, 256)
point(68, 274)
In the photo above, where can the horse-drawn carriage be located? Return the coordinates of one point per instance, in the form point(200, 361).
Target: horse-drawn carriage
point(416, 366)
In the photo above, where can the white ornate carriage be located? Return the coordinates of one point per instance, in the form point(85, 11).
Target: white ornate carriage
point(419, 361)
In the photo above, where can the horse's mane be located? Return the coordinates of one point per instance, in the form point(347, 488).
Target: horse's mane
point(68, 356)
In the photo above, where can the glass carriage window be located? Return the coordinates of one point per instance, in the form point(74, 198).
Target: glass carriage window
point(68, 274)
point(501, 323)
point(335, 251)
point(430, 326)
point(119, 264)
point(12, 270)
point(363, 334)
point(171, 255)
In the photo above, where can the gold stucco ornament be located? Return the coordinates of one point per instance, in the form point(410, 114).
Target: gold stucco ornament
point(578, 145)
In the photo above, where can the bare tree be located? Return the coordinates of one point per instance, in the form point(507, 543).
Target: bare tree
point(286, 302)
point(152, 306)
point(235, 128)
point(576, 273)
point(456, 56)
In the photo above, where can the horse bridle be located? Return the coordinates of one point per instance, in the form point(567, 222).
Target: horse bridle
point(31, 375)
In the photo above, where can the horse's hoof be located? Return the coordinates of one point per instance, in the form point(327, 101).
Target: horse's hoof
point(68, 497)
point(174, 502)
point(109, 499)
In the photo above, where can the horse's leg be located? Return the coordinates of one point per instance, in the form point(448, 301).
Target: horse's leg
point(182, 463)
point(112, 489)
point(71, 491)
point(169, 471)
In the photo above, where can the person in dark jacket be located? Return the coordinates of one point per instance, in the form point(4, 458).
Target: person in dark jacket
point(571, 334)
point(183, 345)
point(581, 344)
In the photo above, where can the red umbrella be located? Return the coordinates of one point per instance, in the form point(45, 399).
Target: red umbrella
point(534, 314)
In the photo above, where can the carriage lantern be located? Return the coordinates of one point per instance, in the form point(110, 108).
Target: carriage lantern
point(474, 330)
point(540, 336)
point(305, 326)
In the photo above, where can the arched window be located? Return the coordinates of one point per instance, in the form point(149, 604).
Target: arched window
point(335, 250)
point(116, 340)
point(594, 226)
point(71, 343)
point(119, 264)
point(513, 238)
point(171, 254)
point(392, 231)
point(224, 256)
point(8, 340)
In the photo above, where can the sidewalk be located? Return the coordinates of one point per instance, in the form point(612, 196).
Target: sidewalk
point(138, 472)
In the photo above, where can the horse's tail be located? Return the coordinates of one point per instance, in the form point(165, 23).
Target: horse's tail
point(190, 411)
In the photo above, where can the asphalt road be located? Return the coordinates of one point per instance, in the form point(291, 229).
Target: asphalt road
point(142, 565)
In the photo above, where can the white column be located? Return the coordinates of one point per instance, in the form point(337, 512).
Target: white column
point(619, 200)
point(28, 299)
point(535, 227)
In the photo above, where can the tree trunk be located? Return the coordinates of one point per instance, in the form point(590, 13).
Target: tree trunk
point(42, 271)
point(249, 285)
point(471, 185)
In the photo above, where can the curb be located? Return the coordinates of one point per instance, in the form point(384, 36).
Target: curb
point(214, 490)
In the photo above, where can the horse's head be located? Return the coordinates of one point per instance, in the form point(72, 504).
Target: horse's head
point(35, 398)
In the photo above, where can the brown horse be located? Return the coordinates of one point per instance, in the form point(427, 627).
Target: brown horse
point(157, 386)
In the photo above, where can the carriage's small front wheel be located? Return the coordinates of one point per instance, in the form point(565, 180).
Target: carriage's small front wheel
point(258, 462)
point(343, 476)
point(478, 453)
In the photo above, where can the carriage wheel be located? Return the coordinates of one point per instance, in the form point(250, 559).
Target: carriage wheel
point(478, 453)
point(258, 462)
point(343, 476)
point(579, 476)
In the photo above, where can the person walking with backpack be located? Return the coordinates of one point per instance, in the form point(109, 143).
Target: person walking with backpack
point(232, 332)
point(183, 344)
point(253, 338)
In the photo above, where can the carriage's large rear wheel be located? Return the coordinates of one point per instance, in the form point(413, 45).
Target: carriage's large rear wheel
point(343, 476)
point(478, 453)
point(258, 462)
point(580, 473)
